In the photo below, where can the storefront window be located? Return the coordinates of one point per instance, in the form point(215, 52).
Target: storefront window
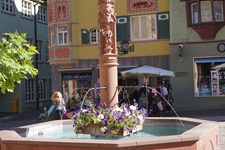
point(209, 77)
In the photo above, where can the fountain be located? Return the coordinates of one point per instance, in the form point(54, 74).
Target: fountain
point(200, 134)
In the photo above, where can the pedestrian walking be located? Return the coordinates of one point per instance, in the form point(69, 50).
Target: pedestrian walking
point(60, 105)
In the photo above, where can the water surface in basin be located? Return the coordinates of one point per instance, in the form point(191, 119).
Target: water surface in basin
point(67, 132)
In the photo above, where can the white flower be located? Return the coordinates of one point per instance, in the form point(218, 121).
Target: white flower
point(84, 110)
point(132, 107)
point(100, 117)
point(117, 109)
point(141, 119)
point(104, 129)
point(127, 114)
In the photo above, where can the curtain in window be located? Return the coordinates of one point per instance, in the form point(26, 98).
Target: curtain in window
point(135, 28)
point(218, 9)
point(206, 11)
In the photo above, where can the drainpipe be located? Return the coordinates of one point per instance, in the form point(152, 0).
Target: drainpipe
point(36, 55)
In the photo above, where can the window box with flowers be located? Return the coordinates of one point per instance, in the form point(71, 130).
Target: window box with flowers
point(98, 120)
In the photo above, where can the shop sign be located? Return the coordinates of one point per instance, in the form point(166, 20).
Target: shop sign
point(76, 76)
point(221, 47)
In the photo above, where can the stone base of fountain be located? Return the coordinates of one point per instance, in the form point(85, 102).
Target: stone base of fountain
point(201, 135)
point(95, 130)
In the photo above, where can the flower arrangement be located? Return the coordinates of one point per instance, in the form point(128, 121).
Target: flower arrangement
point(110, 120)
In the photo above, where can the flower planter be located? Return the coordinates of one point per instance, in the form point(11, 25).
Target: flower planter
point(94, 129)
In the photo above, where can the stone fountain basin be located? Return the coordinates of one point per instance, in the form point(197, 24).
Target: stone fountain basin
point(201, 135)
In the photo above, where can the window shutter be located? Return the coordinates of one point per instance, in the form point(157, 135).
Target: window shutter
point(85, 35)
point(163, 25)
point(122, 28)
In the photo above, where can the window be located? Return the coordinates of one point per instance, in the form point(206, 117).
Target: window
point(42, 14)
point(143, 27)
point(51, 36)
point(42, 89)
point(210, 10)
point(209, 77)
point(206, 11)
point(29, 90)
point(7, 6)
point(62, 34)
point(26, 9)
point(205, 15)
point(46, 51)
point(194, 13)
point(218, 11)
point(39, 48)
point(50, 88)
point(94, 36)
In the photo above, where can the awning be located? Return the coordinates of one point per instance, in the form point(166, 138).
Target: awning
point(147, 71)
point(221, 66)
point(207, 60)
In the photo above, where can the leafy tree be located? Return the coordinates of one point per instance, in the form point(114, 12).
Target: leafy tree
point(15, 60)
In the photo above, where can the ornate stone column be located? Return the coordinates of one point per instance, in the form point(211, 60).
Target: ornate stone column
point(108, 61)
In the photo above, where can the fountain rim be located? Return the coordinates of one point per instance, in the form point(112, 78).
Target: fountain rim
point(196, 133)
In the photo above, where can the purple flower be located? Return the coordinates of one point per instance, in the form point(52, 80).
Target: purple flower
point(105, 122)
point(121, 118)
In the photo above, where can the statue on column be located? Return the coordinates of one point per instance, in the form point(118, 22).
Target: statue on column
point(106, 21)
point(107, 34)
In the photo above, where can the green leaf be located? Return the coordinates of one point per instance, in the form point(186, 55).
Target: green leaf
point(15, 60)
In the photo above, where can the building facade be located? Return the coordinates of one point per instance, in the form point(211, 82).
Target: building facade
point(30, 17)
point(73, 38)
point(197, 36)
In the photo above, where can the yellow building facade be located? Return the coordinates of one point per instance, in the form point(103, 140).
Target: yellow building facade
point(73, 40)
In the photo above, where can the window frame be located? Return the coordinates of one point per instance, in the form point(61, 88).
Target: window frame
point(94, 36)
point(192, 13)
point(139, 28)
point(199, 3)
point(26, 9)
point(46, 51)
point(222, 11)
point(42, 14)
point(29, 90)
point(64, 35)
point(51, 32)
point(40, 50)
point(10, 4)
point(206, 11)
point(200, 27)
point(42, 88)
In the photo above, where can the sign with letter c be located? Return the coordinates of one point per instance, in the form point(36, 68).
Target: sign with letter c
point(221, 47)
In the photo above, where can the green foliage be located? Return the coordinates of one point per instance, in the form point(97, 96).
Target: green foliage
point(15, 60)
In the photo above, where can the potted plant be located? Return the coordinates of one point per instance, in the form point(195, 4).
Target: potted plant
point(99, 120)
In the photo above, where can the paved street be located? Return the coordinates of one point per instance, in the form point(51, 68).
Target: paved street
point(8, 121)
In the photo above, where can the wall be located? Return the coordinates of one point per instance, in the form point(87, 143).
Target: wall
point(194, 46)
point(14, 22)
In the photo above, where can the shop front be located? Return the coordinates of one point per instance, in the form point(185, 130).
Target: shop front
point(75, 86)
point(209, 79)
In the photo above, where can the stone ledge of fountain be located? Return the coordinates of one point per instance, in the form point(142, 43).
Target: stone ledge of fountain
point(200, 134)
